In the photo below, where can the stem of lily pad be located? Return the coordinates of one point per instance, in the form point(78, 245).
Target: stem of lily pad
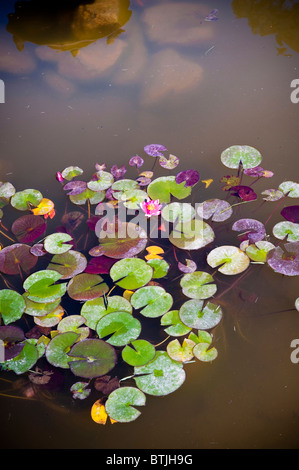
point(246, 273)
point(9, 238)
point(275, 209)
point(159, 344)
point(15, 396)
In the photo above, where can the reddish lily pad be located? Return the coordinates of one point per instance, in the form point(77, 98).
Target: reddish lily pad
point(68, 264)
point(122, 241)
point(94, 357)
point(291, 213)
point(189, 177)
point(28, 228)
point(15, 258)
point(86, 286)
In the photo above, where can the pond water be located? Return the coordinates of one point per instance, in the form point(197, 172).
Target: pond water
point(72, 97)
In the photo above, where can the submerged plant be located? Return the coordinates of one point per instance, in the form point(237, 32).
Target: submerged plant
point(127, 283)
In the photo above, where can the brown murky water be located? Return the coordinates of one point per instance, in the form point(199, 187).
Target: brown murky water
point(196, 87)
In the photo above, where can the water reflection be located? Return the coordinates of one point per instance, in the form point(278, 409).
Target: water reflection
point(267, 17)
point(67, 25)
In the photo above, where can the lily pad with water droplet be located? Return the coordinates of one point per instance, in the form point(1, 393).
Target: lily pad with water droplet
point(192, 235)
point(255, 230)
point(120, 327)
point(94, 310)
point(246, 155)
point(160, 267)
point(131, 273)
point(198, 285)
point(138, 352)
point(28, 228)
point(68, 264)
point(284, 259)
point(164, 187)
point(56, 243)
point(92, 358)
point(215, 209)
point(289, 188)
point(16, 258)
point(286, 230)
point(258, 252)
point(152, 301)
point(181, 353)
point(160, 376)
point(121, 402)
point(23, 200)
point(231, 259)
point(42, 286)
point(12, 306)
point(85, 286)
point(175, 326)
point(194, 314)
point(178, 212)
point(58, 348)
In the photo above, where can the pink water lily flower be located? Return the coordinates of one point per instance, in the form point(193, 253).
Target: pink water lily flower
point(151, 207)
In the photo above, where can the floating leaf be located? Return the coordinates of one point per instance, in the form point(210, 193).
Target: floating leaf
point(41, 286)
point(126, 240)
point(75, 187)
point(153, 301)
point(80, 390)
point(272, 195)
point(131, 273)
point(255, 230)
point(289, 188)
point(131, 198)
point(258, 252)
point(38, 309)
point(291, 213)
point(189, 177)
point(285, 259)
point(124, 185)
point(175, 326)
point(12, 305)
point(286, 230)
point(71, 172)
point(170, 163)
point(68, 264)
point(58, 348)
point(192, 236)
point(297, 304)
point(231, 259)
point(236, 155)
point(106, 384)
point(160, 376)
point(94, 310)
point(92, 358)
point(121, 402)
point(86, 286)
point(189, 267)
point(23, 200)
point(15, 258)
point(118, 172)
point(98, 412)
point(153, 252)
point(50, 319)
point(203, 353)
point(181, 353)
point(244, 192)
point(94, 197)
point(136, 161)
point(74, 323)
point(194, 314)
point(230, 181)
point(28, 228)
point(216, 209)
point(45, 206)
point(12, 336)
point(104, 181)
point(164, 187)
point(155, 150)
point(160, 267)
point(138, 353)
point(198, 285)
point(121, 327)
point(178, 212)
point(7, 190)
point(25, 360)
point(56, 243)
point(99, 265)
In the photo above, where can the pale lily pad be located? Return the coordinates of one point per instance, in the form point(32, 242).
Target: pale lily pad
point(58, 348)
point(56, 243)
point(215, 209)
point(121, 327)
point(258, 252)
point(175, 326)
point(37, 309)
point(286, 230)
point(85, 286)
point(153, 301)
point(236, 155)
point(23, 361)
point(192, 235)
point(12, 306)
point(138, 353)
point(23, 200)
point(41, 286)
point(189, 267)
point(272, 195)
point(92, 358)
point(204, 353)
point(124, 185)
point(181, 353)
point(50, 319)
point(94, 310)
point(121, 402)
point(74, 323)
point(160, 376)
point(131, 273)
point(289, 188)
point(68, 264)
point(7, 190)
point(132, 198)
point(194, 314)
point(231, 259)
point(170, 163)
point(71, 172)
point(104, 181)
point(164, 187)
point(160, 267)
point(94, 197)
point(198, 285)
point(178, 212)
point(297, 304)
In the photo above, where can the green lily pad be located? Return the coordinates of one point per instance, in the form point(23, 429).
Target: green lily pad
point(175, 326)
point(121, 402)
point(194, 314)
point(131, 198)
point(74, 323)
point(12, 305)
point(104, 181)
point(93, 358)
point(288, 230)
point(192, 235)
point(178, 212)
point(7, 190)
point(41, 286)
point(164, 187)
point(38, 309)
point(71, 172)
point(56, 243)
point(23, 361)
point(153, 301)
point(58, 348)
point(160, 267)
point(86, 286)
point(160, 376)
point(235, 155)
point(94, 197)
point(121, 327)
point(231, 259)
point(198, 285)
point(131, 273)
point(138, 353)
point(181, 353)
point(258, 252)
point(50, 319)
point(203, 353)
point(289, 188)
point(94, 310)
point(68, 264)
point(124, 185)
point(23, 200)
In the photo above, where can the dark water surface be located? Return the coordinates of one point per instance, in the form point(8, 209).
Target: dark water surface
point(196, 87)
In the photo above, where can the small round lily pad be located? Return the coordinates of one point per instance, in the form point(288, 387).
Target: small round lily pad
point(120, 327)
point(138, 352)
point(93, 358)
point(231, 259)
point(194, 314)
point(131, 273)
point(198, 285)
point(246, 155)
point(121, 403)
point(153, 301)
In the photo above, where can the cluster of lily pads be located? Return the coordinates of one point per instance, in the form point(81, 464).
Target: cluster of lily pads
point(80, 299)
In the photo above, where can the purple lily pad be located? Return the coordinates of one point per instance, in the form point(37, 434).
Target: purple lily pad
point(244, 192)
point(189, 267)
point(12, 335)
point(143, 181)
point(28, 228)
point(136, 161)
point(38, 250)
point(217, 209)
point(100, 265)
point(255, 229)
point(118, 173)
point(291, 213)
point(284, 259)
point(155, 150)
point(75, 187)
point(72, 220)
point(15, 257)
point(191, 177)
point(170, 163)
